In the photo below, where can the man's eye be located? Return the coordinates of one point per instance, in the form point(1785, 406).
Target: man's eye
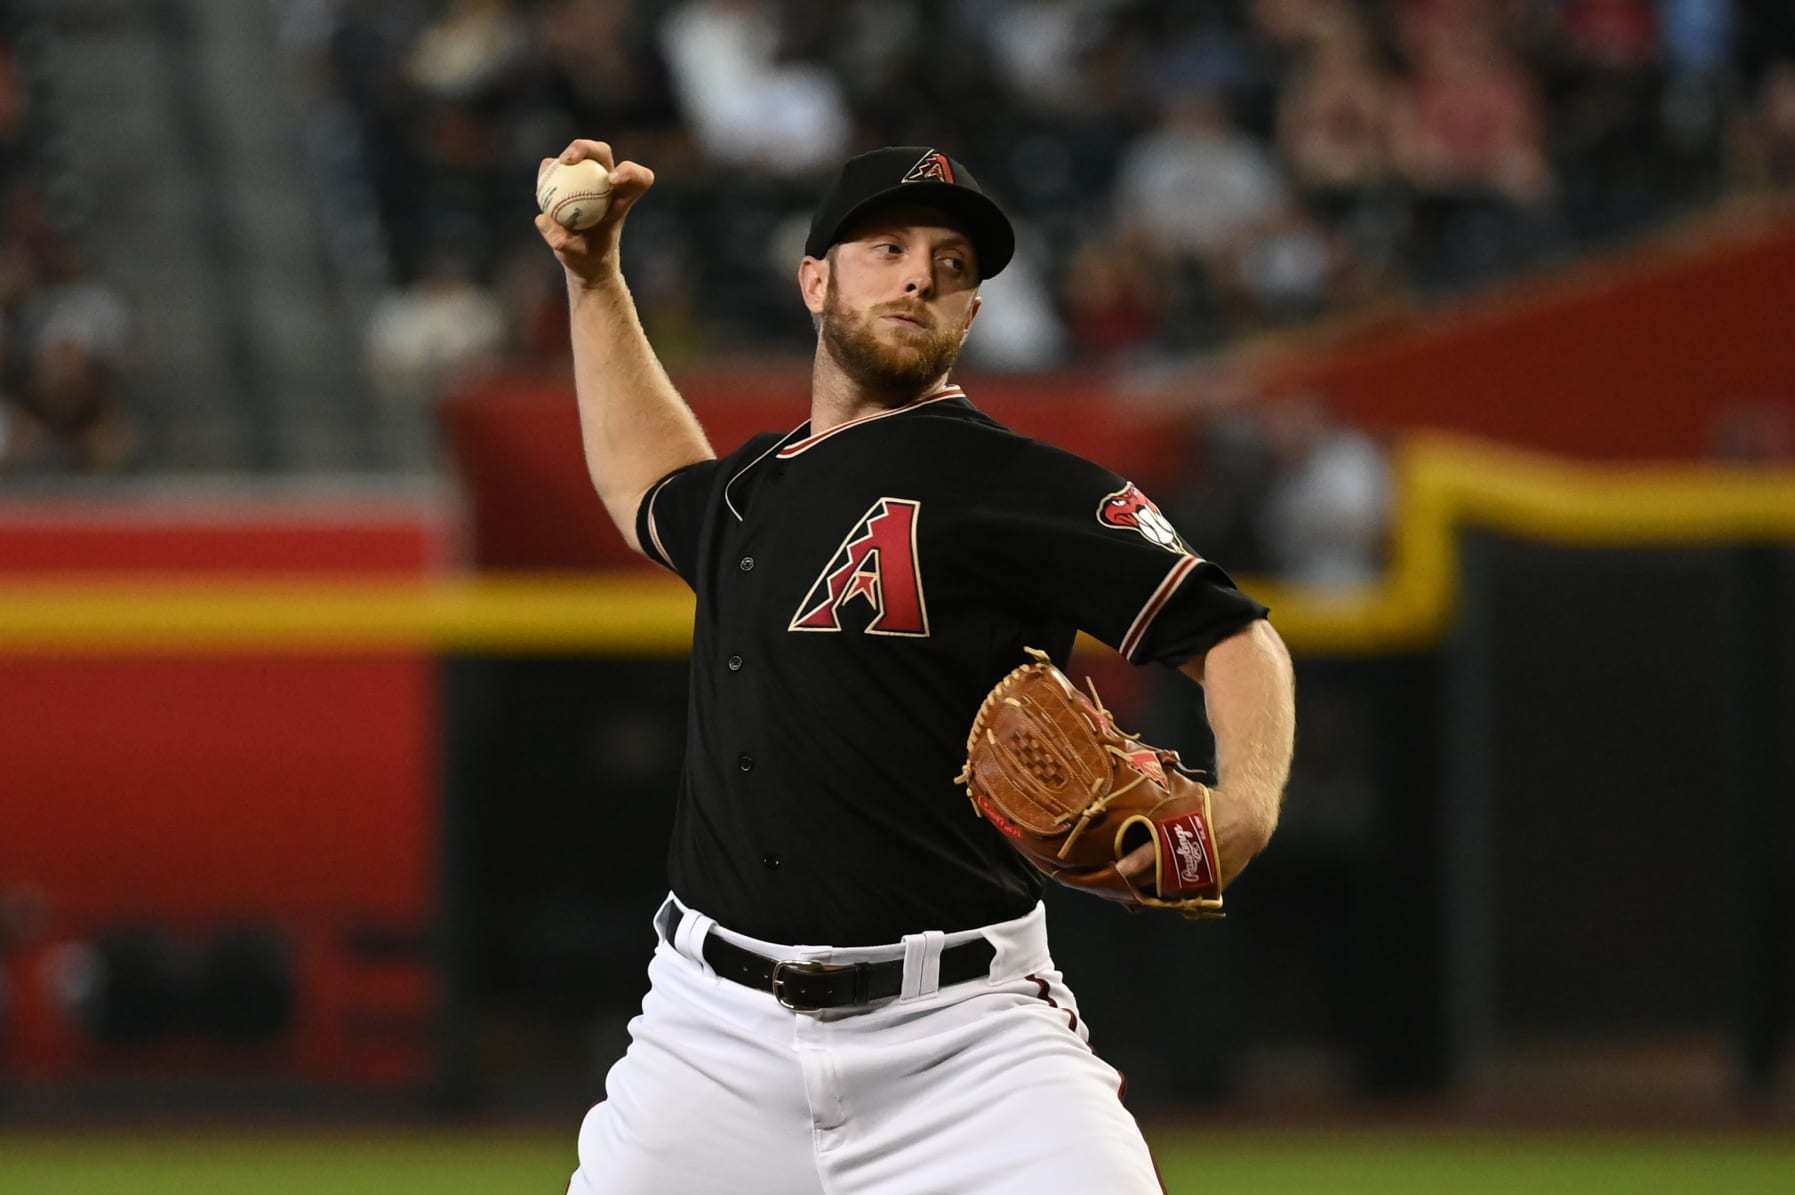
point(888, 249)
point(956, 264)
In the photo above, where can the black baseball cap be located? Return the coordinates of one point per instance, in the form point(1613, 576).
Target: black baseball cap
point(913, 174)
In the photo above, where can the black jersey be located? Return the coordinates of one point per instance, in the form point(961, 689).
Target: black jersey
point(859, 592)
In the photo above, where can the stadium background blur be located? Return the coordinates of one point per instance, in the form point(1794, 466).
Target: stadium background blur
point(341, 732)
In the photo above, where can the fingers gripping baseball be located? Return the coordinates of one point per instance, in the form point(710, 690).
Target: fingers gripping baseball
point(591, 252)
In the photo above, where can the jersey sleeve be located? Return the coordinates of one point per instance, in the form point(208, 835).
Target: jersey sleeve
point(671, 517)
point(1089, 548)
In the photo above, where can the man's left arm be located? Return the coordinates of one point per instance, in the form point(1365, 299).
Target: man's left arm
point(1250, 693)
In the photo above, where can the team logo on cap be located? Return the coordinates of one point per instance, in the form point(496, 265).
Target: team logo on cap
point(932, 168)
point(1129, 508)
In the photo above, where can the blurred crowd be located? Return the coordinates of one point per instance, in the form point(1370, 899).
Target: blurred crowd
point(65, 333)
point(1278, 486)
point(1185, 172)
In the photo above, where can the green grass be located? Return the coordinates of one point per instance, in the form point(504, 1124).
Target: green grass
point(1270, 1163)
point(303, 1163)
point(1259, 1161)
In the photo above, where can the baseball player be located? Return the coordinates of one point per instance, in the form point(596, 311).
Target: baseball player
point(851, 991)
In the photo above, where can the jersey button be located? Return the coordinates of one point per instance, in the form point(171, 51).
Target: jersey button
point(770, 861)
point(747, 564)
point(735, 663)
point(745, 762)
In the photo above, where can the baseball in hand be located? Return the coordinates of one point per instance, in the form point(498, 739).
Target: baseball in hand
point(575, 195)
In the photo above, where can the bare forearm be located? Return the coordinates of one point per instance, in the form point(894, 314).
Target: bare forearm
point(634, 426)
point(1250, 694)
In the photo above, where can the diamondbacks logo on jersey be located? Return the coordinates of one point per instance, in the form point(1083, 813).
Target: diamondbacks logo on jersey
point(931, 168)
point(1129, 508)
point(877, 562)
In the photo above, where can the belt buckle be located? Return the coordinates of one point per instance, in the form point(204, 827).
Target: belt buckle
point(807, 967)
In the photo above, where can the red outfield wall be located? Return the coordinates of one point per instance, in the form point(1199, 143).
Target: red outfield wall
point(186, 792)
point(1636, 359)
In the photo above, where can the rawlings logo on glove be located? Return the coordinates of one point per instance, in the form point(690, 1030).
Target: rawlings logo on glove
point(1048, 767)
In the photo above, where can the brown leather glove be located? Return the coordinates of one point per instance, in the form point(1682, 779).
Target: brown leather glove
point(1048, 767)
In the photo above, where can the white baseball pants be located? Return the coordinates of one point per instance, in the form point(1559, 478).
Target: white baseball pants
point(984, 1087)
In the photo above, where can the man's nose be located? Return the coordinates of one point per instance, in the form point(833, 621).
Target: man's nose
point(919, 281)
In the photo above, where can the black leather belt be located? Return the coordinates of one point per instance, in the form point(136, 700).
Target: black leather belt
point(808, 986)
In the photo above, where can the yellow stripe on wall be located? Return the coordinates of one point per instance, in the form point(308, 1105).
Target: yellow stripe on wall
point(1445, 484)
point(524, 614)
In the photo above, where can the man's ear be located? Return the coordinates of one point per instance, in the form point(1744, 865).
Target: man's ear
point(813, 282)
point(972, 313)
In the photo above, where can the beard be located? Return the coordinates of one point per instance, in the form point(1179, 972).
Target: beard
point(899, 370)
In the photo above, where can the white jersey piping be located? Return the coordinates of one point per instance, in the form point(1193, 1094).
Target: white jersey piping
point(1137, 630)
point(654, 532)
point(763, 456)
point(812, 441)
